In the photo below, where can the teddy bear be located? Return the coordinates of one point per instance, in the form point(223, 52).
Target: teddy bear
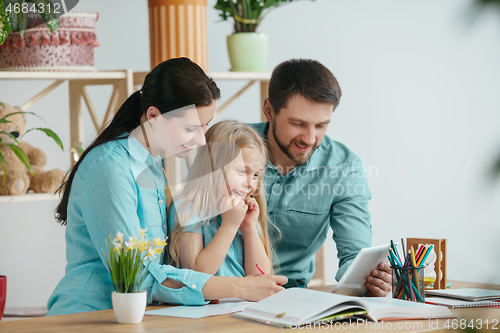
point(18, 179)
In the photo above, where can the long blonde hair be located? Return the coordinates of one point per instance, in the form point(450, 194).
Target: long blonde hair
point(203, 194)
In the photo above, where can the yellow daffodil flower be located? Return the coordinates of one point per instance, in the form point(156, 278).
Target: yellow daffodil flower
point(151, 253)
point(141, 246)
point(119, 237)
point(160, 242)
point(118, 247)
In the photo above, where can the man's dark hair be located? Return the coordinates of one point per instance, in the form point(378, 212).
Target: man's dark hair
point(305, 77)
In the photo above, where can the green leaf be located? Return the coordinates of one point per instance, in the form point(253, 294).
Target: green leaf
point(47, 13)
point(24, 112)
point(22, 156)
point(5, 27)
point(12, 16)
point(4, 121)
point(22, 23)
point(2, 163)
point(49, 133)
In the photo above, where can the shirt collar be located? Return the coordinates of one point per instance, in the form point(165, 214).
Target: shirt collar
point(136, 149)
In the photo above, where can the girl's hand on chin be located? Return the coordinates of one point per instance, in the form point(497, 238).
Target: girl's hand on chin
point(233, 211)
point(252, 213)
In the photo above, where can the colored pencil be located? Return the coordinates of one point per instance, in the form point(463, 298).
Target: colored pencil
point(420, 248)
point(415, 273)
point(424, 251)
point(426, 255)
point(260, 269)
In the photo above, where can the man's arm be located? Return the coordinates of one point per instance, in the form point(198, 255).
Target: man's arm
point(350, 222)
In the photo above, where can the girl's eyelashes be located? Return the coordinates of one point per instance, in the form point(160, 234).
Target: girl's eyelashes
point(190, 130)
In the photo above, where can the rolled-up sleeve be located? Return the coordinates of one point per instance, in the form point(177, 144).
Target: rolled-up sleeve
point(350, 217)
point(110, 204)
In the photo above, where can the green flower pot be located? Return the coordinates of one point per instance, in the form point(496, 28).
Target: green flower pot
point(247, 51)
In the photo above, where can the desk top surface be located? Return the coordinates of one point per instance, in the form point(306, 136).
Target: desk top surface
point(104, 321)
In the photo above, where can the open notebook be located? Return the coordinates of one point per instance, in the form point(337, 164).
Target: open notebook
point(297, 306)
point(458, 303)
point(467, 294)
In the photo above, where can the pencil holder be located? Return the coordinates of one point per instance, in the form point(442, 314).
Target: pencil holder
point(408, 283)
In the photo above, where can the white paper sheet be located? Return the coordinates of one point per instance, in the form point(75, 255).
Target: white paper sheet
point(225, 306)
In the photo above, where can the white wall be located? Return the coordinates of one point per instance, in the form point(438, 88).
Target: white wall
point(420, 81)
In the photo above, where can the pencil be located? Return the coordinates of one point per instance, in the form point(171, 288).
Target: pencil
point(415, 273)
point(422, 254)
point(420, 248)
point(396, 252)
point(398, 263)
point(260, 269)
point(426, 255)
point(418, 294)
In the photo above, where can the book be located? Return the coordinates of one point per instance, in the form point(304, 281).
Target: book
point(298, 306)
point(466, 294)
point(457, 303)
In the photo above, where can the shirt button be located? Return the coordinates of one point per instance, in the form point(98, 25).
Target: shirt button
point(276, 189)
point(161, 201)
point(193, 286)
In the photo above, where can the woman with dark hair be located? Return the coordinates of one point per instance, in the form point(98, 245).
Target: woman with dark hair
point(118, 186)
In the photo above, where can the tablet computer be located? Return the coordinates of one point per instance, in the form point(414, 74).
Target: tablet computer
point(353, 281)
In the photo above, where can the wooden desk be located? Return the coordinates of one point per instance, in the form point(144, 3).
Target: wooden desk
point(104, 321)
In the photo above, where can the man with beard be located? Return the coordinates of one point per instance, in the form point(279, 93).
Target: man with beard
point(311, 181)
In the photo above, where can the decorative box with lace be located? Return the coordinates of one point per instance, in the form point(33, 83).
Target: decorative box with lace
point(69, 48)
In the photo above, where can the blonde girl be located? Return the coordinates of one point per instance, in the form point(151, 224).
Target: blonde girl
point(219, 221)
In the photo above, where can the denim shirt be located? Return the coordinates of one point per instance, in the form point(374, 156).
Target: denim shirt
point(118, 187)
point(331, 189)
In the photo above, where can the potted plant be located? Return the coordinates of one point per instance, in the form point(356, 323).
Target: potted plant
point(125, 262)
point(246, 47)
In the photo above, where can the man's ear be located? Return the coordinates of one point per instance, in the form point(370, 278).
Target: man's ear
point(152, 112)
point(267, 109)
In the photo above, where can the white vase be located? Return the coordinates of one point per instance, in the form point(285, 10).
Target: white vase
point(129, 308)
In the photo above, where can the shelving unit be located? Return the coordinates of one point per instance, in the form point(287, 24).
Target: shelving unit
point(28, 197)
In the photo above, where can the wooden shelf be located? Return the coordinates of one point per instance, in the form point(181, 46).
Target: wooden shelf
point(98, 75)
point(239, 76)
point(29, 197)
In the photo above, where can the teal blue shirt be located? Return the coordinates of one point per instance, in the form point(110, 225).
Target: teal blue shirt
point(330, 190)
point(118, 187)
point(233, 264)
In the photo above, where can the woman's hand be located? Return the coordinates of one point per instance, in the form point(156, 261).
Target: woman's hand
point(257, 287)
point(252, 213)
point(234, 210)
